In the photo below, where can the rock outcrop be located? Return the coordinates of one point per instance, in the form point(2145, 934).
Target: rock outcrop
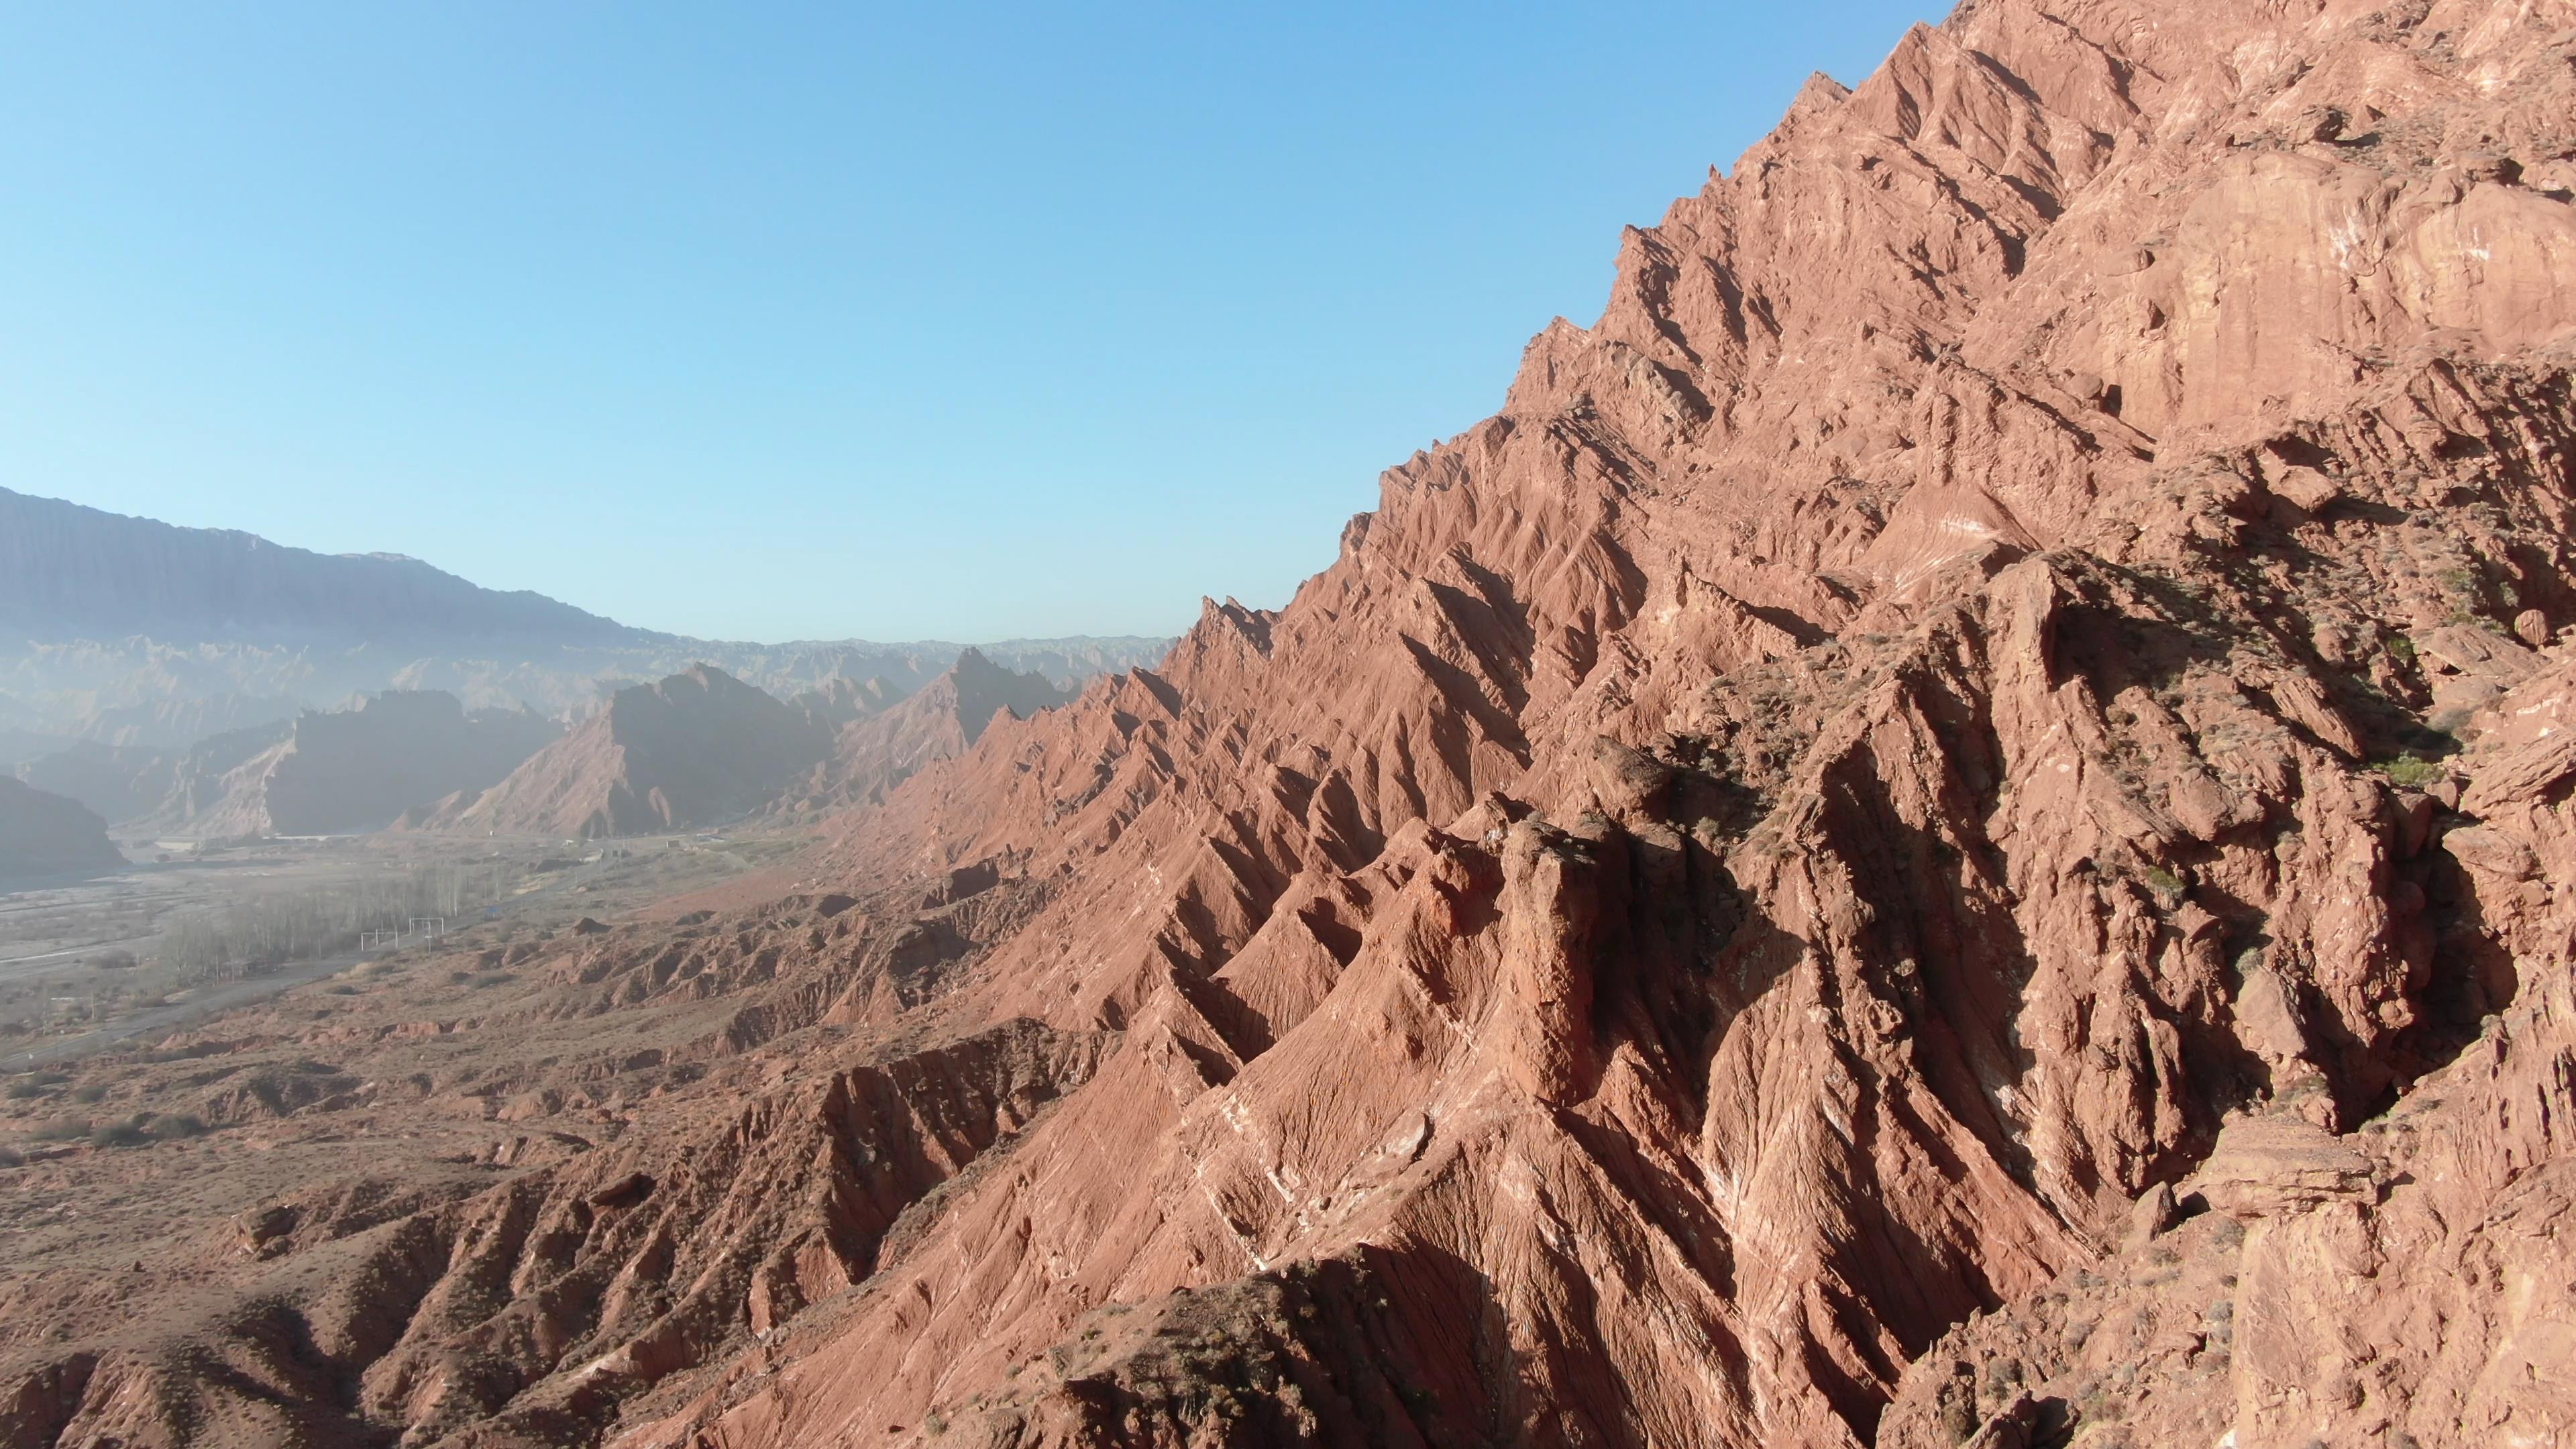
point(42, 834)
point(1953, 828)
point(163, 789)
point(879, 749)
point(698, 748)
point(359, 769)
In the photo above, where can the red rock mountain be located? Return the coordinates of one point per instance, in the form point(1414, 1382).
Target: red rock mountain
point(694, 749)
point(165, 789)
point(880, 749)
point(1953, 828)
point(42, 834)
point(358, 769)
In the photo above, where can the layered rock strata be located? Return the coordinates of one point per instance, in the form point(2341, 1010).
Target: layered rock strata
point(1990, 731)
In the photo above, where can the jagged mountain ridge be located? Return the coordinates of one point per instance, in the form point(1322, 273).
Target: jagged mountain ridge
point(702, 747)
point(1926, 500)
point(1755, 903)
point(878, 751)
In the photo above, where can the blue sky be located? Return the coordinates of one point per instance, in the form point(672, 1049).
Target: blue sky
point(775, 320)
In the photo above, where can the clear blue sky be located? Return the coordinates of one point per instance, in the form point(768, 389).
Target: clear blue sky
point(818, 320)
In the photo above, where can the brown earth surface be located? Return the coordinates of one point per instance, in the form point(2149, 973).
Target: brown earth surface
point(1947, 831)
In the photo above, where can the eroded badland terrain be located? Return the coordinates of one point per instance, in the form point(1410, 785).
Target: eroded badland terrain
point(1950, 829)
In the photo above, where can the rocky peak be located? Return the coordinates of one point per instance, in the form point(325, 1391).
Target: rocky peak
point(1900, 850)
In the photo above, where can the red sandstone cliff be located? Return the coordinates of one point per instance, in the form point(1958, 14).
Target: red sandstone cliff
point(1953, 828)
point(1766, 848)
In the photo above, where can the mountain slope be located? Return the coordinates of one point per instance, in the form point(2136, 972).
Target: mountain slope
point(1975, 766)
point(41, 834)
point(358, 769)
point(876, 752)
point(1921, 827)
point(697, 748)
point(69, 572)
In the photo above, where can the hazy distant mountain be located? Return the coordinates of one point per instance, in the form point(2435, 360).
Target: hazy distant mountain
point(322, 773)
point(165, 789)
point(128, 632)
point(18, 746)
point(118, 782)
point(41, 833)
point(702, 747)
point(873, 754)
point(693, 749)
point(358, 769)
point(70, 572)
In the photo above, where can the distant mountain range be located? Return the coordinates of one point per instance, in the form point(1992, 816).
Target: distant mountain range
point(886, 746)
point(71, 572)
point(701, 747)
point(693, 749)
point(697, 748)
point(128, 632)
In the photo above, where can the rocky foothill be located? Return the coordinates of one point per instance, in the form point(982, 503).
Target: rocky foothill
point(1947, 831)
point(45, 834)
point(359, 769)
point(702, 748)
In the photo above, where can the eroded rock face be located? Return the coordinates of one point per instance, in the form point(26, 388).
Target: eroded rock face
point(702, 747)
point(2411, 1282)
point(2000, 527)
point(530, 1311)
point(882, 747)
point(696, 748)
point(1967, 773)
